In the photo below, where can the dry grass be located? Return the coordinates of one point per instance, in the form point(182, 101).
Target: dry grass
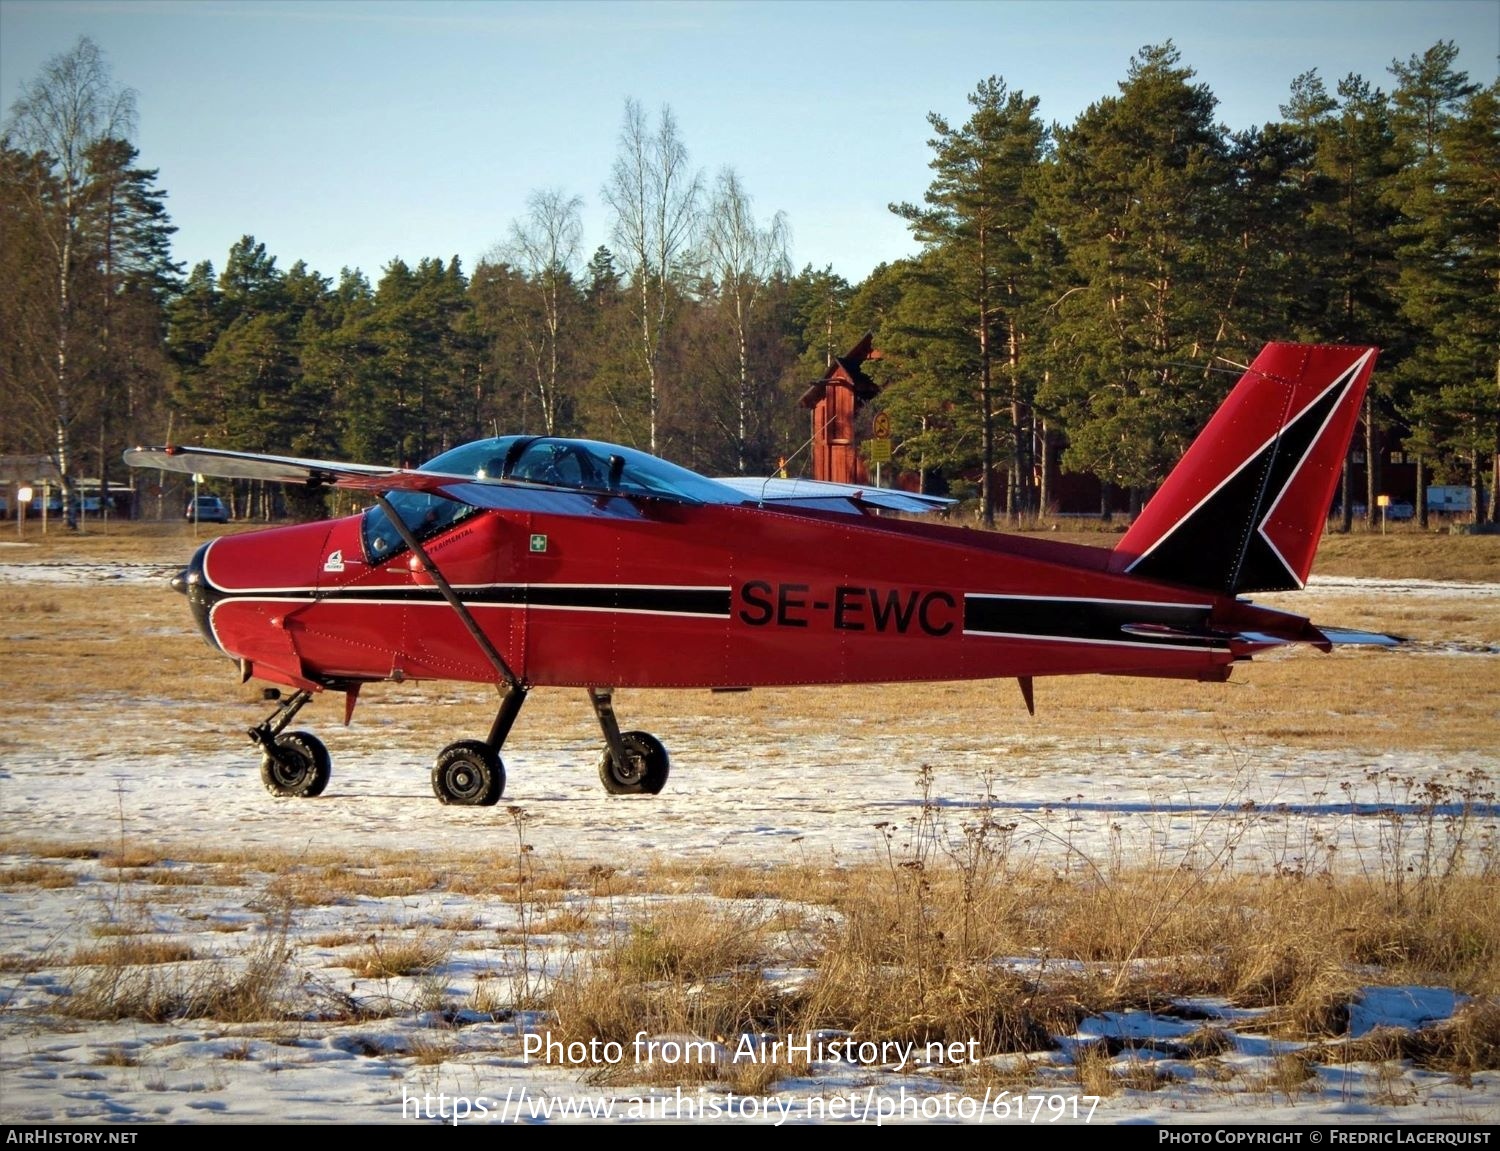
point(1092, 1070)
point(1408, 552)
point(383, 957)
point(121, 985)
point(428, 1049)
point(1467, 1043)
point(913, 949)
point(1289, 1075)
point(117, 1057)
point(41, 875)
point(126, 951)
point(1403, 552)
point(689, 941)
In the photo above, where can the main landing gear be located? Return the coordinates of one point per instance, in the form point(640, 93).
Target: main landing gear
point(469, 773)
point(635, 762)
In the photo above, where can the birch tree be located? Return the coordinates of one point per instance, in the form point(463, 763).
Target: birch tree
point(61, 116)
point(742, 256)
point(654, 197)
point(544, 246)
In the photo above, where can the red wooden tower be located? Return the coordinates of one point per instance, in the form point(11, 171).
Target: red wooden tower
point(835, 400)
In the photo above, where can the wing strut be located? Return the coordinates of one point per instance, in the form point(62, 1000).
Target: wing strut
point(490, 652)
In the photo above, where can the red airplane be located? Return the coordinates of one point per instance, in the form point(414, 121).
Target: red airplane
point(532, 561)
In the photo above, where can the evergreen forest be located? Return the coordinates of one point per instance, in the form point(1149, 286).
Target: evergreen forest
point(1079, 300)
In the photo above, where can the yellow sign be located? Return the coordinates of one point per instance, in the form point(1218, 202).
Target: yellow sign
point(1382, 501)
point(882, 428)
point(880, 451)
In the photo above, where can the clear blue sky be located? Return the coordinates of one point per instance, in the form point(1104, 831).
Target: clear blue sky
point(351, 133)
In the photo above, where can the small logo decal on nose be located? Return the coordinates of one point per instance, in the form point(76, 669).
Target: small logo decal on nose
point(334, 562)
point(538, 543)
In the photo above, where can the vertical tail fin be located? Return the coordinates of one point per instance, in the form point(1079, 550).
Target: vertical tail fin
point(1244, 509)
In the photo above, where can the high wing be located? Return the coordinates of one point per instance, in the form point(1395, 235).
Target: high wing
point(288, 469)
point(490, 492)
point(821, 494)
point(493, 491)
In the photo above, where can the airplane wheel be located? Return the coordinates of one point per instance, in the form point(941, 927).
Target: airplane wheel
point(299, 769)
point(468, 774)
point(646, 766)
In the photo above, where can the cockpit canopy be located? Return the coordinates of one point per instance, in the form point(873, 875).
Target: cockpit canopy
point(581, 465)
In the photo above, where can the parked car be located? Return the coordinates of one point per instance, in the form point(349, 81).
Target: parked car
point(207, 510)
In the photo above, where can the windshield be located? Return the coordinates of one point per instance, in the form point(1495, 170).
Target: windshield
point(426, 516)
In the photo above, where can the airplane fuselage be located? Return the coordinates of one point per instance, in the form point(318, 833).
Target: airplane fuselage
point(650, 593)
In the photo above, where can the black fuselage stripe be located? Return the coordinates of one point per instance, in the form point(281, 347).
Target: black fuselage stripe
point(671, 601)
point(1097, 621)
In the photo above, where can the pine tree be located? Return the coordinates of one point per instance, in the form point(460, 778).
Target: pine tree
point(1137, 196)
point(1461, 422)
point(977, 212)
point(1442, 283)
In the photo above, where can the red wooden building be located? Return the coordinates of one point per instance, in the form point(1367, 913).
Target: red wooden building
point(835, 401)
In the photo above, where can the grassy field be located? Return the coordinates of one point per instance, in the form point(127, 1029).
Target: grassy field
point(921, 946)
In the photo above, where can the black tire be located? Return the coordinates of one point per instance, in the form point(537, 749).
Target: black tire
point(646, 766)
point(299, 768)
point(468, 774)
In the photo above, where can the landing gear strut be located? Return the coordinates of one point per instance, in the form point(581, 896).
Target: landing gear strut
point(293, 764)
point(634, 762)
point(468, 773)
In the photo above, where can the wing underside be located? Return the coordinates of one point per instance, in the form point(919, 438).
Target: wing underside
point(288, 469)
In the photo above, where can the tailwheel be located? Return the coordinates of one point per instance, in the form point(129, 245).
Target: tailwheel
point(644, 771)
point(468, 774)
point(295, 765)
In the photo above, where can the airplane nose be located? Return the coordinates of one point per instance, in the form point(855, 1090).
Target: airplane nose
point(191, 582)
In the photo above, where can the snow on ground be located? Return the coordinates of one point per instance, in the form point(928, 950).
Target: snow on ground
point(1402, 588)
point(739, 797)
point(763, 792)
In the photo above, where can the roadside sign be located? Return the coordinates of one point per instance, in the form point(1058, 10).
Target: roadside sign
point(880, 451)
point(881, 430)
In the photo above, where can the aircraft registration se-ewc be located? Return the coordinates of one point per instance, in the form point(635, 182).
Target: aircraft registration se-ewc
point(532, 561)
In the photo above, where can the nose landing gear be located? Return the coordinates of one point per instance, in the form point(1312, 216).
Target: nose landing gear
point(293, 764)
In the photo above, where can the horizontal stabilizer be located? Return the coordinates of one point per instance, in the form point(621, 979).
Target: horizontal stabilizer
point(1343, 635)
